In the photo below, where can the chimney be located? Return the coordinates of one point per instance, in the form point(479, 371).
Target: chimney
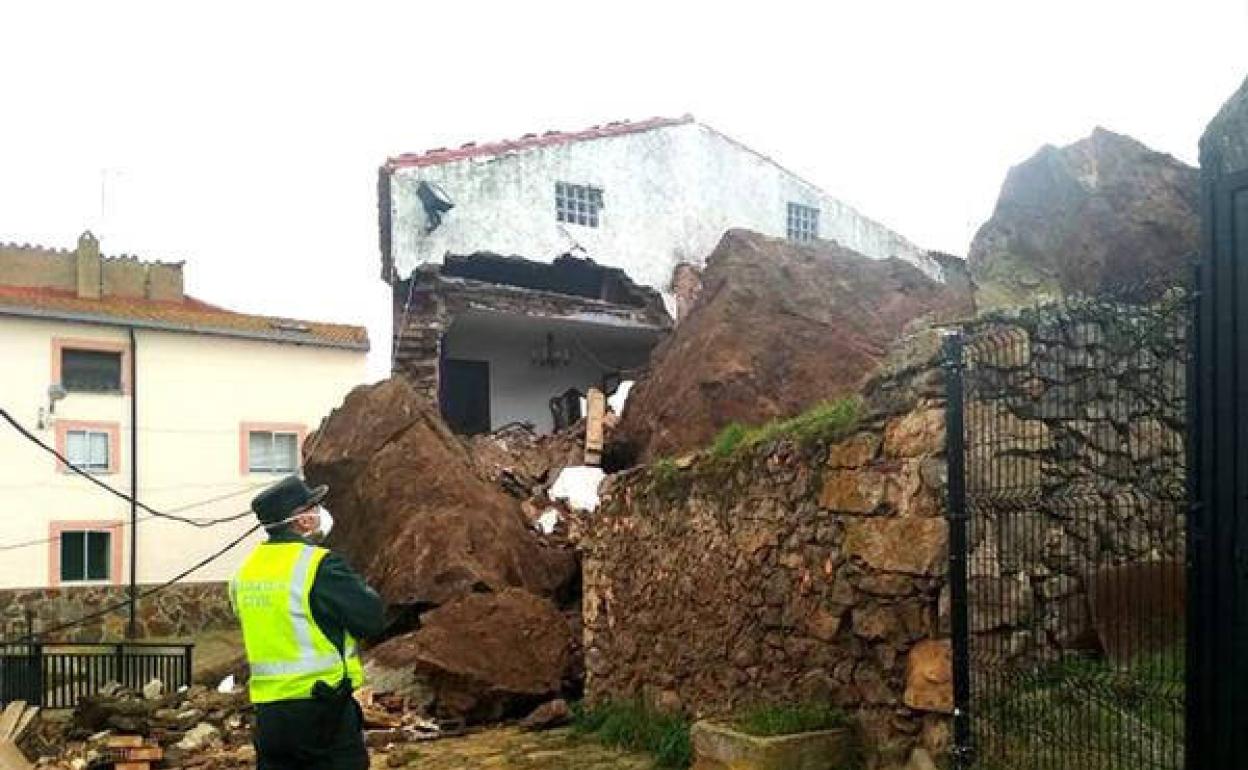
point(88, 259)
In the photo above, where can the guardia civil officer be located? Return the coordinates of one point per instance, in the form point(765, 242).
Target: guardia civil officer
point(302, 610)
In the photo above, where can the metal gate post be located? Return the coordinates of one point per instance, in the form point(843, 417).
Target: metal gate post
point(956, 513)
point(1217, 700)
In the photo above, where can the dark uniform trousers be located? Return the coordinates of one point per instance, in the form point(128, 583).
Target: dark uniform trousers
point(307, 735)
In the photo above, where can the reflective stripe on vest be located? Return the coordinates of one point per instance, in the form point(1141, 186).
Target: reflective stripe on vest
point(287, 651)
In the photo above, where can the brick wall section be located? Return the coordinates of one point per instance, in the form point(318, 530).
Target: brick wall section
point(182, 611)
point(788, 574)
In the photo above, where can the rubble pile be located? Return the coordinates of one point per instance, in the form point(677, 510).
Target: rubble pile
point(777, 328)
point(197, 729)
point(1085, 218)
point(488, 608)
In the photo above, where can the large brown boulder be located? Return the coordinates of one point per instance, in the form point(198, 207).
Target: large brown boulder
point(485, 657)
point(412, 512)
point(777, 328)
point(1086, 218)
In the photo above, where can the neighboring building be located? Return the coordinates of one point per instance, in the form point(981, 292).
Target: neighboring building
point(645, 201)
point(97, 350)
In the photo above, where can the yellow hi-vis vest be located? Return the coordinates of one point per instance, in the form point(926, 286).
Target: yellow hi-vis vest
point(287, 651)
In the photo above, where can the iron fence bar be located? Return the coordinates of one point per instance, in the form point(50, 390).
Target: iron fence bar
point(956, 512)
point(188, 664)
point(1196, 711)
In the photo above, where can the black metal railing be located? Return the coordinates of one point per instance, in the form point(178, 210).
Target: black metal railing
point(1067, 534)
point(58, 676)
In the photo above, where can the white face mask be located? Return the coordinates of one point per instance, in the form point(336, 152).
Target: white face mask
point(327, 523)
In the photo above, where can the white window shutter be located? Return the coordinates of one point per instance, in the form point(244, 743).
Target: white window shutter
point(76, 447)
point(260, 450)
point(285, 451)
point(99, 458)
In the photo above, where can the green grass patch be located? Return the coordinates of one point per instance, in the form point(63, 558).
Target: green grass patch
point(665, 478)
point(826, 422)
point(634, 726)
point(1083, 713)
point(790, 719)
point(729, 440)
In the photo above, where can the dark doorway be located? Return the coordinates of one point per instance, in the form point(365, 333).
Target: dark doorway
point(466, 395)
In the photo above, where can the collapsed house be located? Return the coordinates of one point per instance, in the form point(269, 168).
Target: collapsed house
point(497, 340)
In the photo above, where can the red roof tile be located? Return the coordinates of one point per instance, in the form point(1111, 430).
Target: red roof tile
point(442, 155)
point(189, 315)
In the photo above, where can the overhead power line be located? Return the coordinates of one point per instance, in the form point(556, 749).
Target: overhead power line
point(202, 523)
point(150, 591)
point(126, 524)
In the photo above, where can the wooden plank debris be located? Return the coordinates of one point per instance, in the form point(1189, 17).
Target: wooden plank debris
point(596, 410)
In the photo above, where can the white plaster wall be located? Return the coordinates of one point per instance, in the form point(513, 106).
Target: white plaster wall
point(520, 391)
point(194, 392)
point(669, 195)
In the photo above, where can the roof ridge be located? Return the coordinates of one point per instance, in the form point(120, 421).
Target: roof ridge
point(468, 150)
point(189, 314)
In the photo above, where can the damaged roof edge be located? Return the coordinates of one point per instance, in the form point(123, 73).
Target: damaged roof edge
point(212, 331)
point(568, 279)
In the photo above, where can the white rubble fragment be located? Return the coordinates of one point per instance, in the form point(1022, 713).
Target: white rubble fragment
point(547, 522)
point(578, 485)
point(617, 400)
point(153, 689)
point(198, 737)
point(227, 685)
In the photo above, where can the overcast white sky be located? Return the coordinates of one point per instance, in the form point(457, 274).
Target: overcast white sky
point(245, 137)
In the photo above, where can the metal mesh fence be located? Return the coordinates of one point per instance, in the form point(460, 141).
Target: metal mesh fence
point(1074, 448)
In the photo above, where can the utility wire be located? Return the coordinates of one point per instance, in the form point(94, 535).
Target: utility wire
point(202, 523)
point(125, 524)
point(144, 594)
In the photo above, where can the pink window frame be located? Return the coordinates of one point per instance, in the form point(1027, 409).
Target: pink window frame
point(113, 429)
point(244, 446)
point(56, 528)
point(59, 344)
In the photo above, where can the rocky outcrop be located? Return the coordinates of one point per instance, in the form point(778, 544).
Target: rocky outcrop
point(412, 511)
point(1083, 218)
point(1224, 147)
point(776, 329)
point(485, 657)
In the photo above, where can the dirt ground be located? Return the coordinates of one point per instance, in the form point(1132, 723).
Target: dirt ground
point(511, 749)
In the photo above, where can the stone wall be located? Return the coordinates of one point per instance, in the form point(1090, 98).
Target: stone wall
point(181, 611)
point(790, 572)
point(1076, 443)
point(87, 274)
point(819, 572)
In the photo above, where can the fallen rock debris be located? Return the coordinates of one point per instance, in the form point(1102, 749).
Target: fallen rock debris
point(413, 513)
point(197, 729)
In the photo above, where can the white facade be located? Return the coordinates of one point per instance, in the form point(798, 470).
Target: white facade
point(669, 194)
point(198, 396)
